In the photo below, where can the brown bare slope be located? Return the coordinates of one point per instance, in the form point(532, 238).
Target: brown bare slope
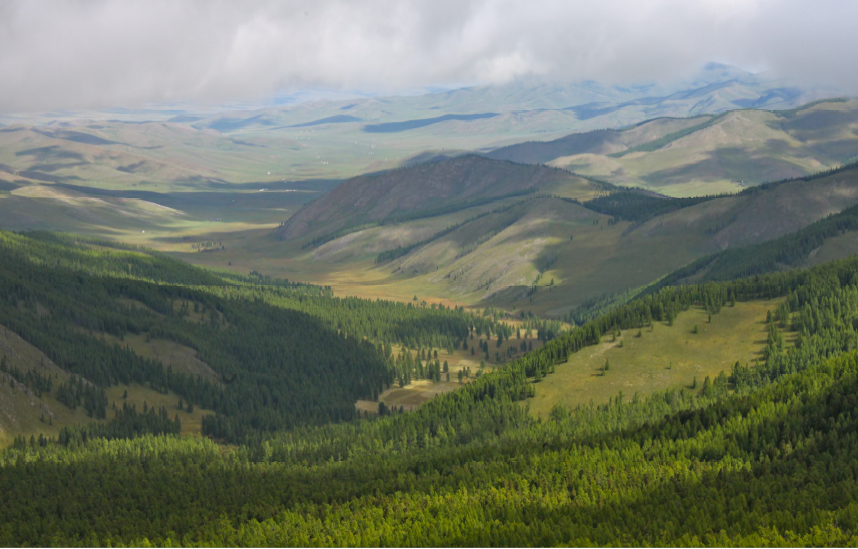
point(373, 198)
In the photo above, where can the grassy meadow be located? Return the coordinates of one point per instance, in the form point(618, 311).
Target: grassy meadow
point(663, 357)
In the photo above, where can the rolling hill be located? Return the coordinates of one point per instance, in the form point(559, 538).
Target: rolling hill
point(708, 154)
point(339, 139)
point(424, 190)
point(545, 253)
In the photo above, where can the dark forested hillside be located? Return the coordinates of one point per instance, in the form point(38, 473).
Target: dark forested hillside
point(639, 206)
point(762, 455)
point(283, 355)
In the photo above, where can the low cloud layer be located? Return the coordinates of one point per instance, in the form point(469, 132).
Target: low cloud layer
point(95, 54)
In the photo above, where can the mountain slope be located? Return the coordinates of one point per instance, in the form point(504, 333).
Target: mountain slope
point(709, 154)
point(548, 254)
point(602, 142)
point(422, 189)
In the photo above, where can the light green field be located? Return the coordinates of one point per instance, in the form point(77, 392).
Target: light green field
point(663, 357)
point(594, 262)
point(490, 261)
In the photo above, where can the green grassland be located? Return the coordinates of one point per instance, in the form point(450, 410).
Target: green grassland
point(663, 357)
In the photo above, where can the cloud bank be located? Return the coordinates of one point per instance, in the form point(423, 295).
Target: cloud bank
point(99, 53)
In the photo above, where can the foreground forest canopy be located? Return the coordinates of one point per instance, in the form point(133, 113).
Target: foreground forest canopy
point(764, 454)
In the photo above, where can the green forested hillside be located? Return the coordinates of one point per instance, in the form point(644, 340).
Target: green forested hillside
point(762, 455)
point(280, 354)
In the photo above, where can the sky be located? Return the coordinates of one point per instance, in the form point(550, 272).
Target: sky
point(80, 54)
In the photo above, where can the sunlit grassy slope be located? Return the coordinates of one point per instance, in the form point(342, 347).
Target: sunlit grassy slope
point(663, 357)
point(495, 260)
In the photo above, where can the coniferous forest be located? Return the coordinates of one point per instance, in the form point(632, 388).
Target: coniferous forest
point(763, 455)
point(391, 274)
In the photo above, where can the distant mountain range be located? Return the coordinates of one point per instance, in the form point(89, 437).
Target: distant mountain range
point(340, 138)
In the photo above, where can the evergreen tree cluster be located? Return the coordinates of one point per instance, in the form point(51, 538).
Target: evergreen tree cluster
point(638, 206)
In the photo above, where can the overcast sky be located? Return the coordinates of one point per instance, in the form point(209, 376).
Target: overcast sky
point(83, 54)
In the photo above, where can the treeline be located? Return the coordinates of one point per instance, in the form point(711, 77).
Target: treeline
point(600, 305)
point(259, 279)
point(412, 324)
point(79, 253)
point(791, 113)
point(126, 423)
point(638, 206)
point(54, 250)
point(818, 175)
point(771, 460)
point(31, 378)
point(789, 251)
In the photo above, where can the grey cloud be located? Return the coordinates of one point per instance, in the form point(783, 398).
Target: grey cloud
point(84, 54)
